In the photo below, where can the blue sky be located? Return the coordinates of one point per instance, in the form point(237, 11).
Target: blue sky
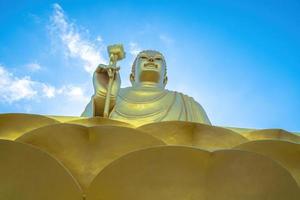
point(239, 59)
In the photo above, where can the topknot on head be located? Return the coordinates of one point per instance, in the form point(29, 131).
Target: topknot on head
point(151, 51)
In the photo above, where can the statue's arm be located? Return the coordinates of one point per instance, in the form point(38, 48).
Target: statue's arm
point(197, 113)
point(194, 110)
point(200, 113)
point(100, 82)
point(88, 111)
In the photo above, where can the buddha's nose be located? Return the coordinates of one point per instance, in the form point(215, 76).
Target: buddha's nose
point(151, 60)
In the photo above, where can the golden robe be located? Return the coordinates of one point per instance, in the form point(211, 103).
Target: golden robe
point(139, 106)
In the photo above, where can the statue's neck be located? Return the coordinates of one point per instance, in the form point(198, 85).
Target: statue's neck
point(148, 85)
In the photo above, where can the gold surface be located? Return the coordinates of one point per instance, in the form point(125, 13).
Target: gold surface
point(239, 130)
point(117, 51)
point(147, 100)
point(96, 121)
point(173, 172)
point(27, 173)
point(276, 134)
point(286, 153)
point(194, 134)
point(86, 151)
point(64, 119)
point(13, 126)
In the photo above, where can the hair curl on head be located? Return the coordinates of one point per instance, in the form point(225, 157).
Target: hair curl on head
point(145, 51)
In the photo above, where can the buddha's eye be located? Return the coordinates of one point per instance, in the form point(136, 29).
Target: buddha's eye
point(143, 57)
point(158, 58)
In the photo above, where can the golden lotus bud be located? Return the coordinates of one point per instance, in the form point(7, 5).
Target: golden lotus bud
point(117, 51)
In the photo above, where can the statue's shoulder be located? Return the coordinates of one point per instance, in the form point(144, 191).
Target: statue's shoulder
point(191, 100)
point(184, 96)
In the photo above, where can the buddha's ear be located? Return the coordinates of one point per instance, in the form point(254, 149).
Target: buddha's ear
point(165, 81)
point(131, 77)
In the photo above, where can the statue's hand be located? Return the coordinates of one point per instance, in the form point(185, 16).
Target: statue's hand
point(101, 79)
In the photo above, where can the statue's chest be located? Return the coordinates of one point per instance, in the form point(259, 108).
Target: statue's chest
point(142, 104)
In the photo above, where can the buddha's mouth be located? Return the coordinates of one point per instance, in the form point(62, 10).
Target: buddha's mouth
point(150, 65)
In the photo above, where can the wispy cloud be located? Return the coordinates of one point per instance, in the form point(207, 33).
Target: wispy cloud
point(71, 92)
point(134, 48)
point(49, 91)
point(99, 38)
point(34, 66)
point(166, 39)
point(76, 46)
point(29, 92)
point(13, 88)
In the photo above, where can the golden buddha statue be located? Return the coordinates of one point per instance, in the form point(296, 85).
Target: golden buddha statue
point(103, 157)
point(147, 100)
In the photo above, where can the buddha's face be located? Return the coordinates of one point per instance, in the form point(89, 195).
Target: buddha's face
point(150, 68)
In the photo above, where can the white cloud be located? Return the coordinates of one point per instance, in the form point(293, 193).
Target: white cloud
point(99, 38)
point(68, 99)
point(13, 89)
point(33, 66)
point(75, 44)
point(134, 49)
point(68, 92)
point(73, 93)
point(49, 91)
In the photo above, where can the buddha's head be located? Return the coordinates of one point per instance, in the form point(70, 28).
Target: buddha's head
point(149, 69)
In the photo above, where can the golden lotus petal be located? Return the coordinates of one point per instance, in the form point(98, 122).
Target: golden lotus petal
point(27, 173)
point(64, 119)
point(96, 121)
point(286, 153)
point(13, 126)
point(194, 134)
point(272, 134)
point(86, 151)
point(177, 172)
